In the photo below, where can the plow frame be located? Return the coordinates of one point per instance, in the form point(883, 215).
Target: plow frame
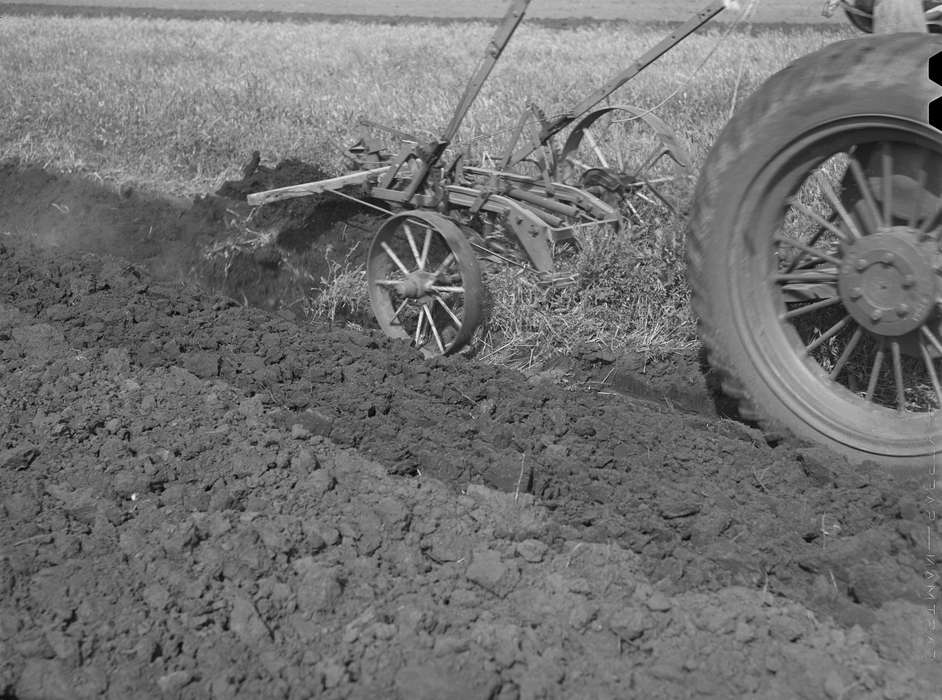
point(423, 272)
point(537, 210)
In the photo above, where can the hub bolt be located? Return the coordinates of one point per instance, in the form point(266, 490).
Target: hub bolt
point(876, 315)
point(856, 293)
point(908, 281)
point(902, 309)
point(889, 258)
point(861, 265)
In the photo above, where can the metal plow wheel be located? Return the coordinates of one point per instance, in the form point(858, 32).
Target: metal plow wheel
point(626, 156)
point(425, 282)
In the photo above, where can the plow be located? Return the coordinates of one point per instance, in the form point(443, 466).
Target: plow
point(813, 241)
point(581, 169)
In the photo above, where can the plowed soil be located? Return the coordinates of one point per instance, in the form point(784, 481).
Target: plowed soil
point(203, 495)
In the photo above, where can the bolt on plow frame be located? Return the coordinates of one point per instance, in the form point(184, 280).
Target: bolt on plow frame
point(423, 268)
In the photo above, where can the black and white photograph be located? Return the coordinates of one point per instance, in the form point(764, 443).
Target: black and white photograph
point(470, 349)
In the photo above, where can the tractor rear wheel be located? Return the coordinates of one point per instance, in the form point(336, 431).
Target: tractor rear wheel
point(814, 251)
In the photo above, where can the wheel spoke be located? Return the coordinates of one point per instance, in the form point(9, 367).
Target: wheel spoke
point(418, 330)
point(930, 336)
point(921, 191)
point(446, 290)
point(413, 246)
point(634, 212)
point(816, 306)
point(886, 160)
point(818, 219)
point(595, 147)
point(643, 196)
point(403, 305)
point(662, 198)
point(648, 162)
point(861, 179)
point(621, 137)
point(930, 367)
point(828, 191)
point(425, 247)
point(875, 371)
point(572, 160)
point(431, 323)
point(448, 310)
point(394, 258)
point(848, 351)
point(809, 250)
point(449, 260)
point(898, 375)
point(932, 221)
point(830, 333)
point(806, 276)
point(388, 283)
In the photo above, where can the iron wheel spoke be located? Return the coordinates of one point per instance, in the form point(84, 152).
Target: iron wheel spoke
point(921, 188)
point(448, 310)
point(861, 179)
point(898, 375)
point(448, 261)
point(395, 258)
point(662, 198)
point(828, 191)
point(818, 219)
point(933, 376)
point(827, 335)
point(431, 323)
point(875, 371)
point(413, 246)
point(399, 309)
point(445, 290)
point(806, 276)
point(425, 247)
point(808, 250)
point(846, 355)
point(816, 306)
point(930, 336)
point(932, 222)
point(595, 147)
point(886, 160)
point(418, 330)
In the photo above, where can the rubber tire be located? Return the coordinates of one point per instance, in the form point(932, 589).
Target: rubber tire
point(871, 75)
point(864, 23)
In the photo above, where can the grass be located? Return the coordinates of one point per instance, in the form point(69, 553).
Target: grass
point(177, 106)
point(768, 11)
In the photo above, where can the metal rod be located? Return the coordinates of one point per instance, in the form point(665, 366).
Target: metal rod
point(495, 48)
point(645, 60)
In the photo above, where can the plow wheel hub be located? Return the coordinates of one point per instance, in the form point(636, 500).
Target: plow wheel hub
point(887, 282)
point(416, 285)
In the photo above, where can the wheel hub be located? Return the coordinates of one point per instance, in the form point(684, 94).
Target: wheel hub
point(416, 284)
point(887, 282)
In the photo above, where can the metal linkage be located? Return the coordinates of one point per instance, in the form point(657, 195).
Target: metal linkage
point(425, 283)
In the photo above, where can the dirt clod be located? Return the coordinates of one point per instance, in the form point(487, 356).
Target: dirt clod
point(206, 499)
